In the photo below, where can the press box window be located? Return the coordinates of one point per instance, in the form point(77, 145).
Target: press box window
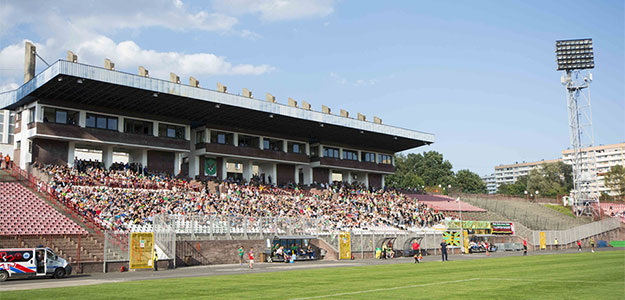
point(138, 127)
point(385, 159)
point(171, 131)
point(60, 116)
point(199, 137)
point(368, 157)
point(31, 115)
point(330, 152)
point(101, 122)
point(248, 141)
point(224, 138)
point(298, 148)
point(274, 145)
point(350, 155)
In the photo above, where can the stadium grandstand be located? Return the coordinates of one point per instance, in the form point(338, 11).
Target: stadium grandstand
point(208, 165)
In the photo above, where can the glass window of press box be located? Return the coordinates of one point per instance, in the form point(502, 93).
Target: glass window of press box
point(171, 131)
point(249, 141)
point(138, 127)
point(31, 115)
point(367, 157)
point(60, 116)
point(200, 137)
point(299, 148)
point(224, 138)
point(350, 155)
point(101, 122)
point(330, 152)
point(385, 159)
point(314, 151)
point(273, 145)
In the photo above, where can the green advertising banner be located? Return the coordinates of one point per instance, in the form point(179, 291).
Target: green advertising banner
point(210, 167)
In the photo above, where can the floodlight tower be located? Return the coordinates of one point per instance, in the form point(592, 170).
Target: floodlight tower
point(576, 58)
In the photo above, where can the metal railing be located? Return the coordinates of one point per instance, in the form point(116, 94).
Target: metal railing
point(572, 235)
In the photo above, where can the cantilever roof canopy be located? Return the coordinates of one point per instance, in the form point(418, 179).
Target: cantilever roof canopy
point(83, 86)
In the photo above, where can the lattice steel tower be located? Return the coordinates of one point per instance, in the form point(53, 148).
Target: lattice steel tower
point(576, 58)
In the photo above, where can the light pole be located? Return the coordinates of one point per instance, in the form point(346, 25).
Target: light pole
point(440, 189)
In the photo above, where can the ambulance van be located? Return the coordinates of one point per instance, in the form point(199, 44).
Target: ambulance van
point(32, 262)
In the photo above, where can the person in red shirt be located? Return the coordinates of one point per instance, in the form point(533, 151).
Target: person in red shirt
point(251, 257)
point(579, 245)
point(524, 247)
point(415, 251)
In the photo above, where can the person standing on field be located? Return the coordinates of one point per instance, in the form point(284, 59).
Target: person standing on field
point(524, 247)
point(444, 251)
point(241, 252)
point(592, 245)
point(555, 242)
point(251, 257)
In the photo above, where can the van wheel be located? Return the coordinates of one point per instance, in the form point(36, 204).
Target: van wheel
point(59, 273)
point(4, 275)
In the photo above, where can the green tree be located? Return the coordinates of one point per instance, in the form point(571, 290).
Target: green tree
point(551, 179)
point(615, 179)
point(514, 189)
point(430, 166)
point(470, 182)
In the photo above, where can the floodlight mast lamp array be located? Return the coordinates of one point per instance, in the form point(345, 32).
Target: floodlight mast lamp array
point(575, 58)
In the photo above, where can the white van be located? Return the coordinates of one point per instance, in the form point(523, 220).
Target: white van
point(32, 262)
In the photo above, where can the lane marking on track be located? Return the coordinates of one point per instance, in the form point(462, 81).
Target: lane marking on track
point(387, 289)
point(40, 284)
point(551, 280)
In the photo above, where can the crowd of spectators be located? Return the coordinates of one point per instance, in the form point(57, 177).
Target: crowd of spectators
point(127, 194)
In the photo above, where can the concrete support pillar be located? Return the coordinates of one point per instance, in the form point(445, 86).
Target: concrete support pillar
point(194, 165)
point(274, 173)
point(285, 146)
point(187, 133)
point(107, 156)
point(120, 124)
point(71, 153)
point(177, 163)
point(349, 177)
point(235, 140)
point(330, 176)
point(296, 177)
point(366, 179)
point(308, 175)
point(261, 143)
point(155, 131)
point(247, 170)
point(359, 155)
point(382, 184)
point(224, 171)
point(82, 118)
point(308, 149)
point(340, 153)
point(321, 151)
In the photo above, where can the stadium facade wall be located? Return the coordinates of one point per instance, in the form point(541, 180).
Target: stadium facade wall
point(215, 251)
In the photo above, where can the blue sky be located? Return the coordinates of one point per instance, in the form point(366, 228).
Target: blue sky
point(480, 75)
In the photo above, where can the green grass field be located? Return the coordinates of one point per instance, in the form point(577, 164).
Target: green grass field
point(564, 276)
point(561, 209)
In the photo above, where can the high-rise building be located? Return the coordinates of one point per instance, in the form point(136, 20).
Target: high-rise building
point(510, 173)
point(491, 183)
point(605, 156)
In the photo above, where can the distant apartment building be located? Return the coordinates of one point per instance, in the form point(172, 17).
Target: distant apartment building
point(510, 173)
point(605, 157)
point(491, 183)
point(6, 132)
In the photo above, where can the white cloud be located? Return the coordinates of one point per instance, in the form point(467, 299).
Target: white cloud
point(277, 10)
point(358, 82)
point(8, 87)
point(83, 29)
point(111, 15)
